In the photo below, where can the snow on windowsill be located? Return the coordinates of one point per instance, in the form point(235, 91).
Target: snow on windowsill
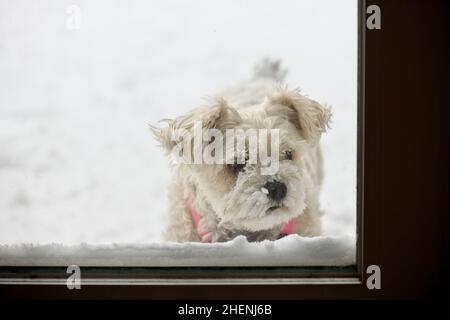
point(292, 250)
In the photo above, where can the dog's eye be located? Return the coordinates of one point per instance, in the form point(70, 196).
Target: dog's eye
point(287, 155)
point(237, 167)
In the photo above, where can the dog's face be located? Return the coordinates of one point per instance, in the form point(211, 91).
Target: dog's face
point(243, 194)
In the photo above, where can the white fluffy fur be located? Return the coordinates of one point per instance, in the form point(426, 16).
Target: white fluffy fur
point(232, 204)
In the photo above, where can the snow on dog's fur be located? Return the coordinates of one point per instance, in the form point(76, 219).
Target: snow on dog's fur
point(234, 199)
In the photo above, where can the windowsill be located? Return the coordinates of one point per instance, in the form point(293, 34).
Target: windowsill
point(290, 251)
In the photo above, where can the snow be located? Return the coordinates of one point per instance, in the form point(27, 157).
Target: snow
point(77, 161)
point(288, 251)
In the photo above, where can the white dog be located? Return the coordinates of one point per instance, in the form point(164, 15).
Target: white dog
point(218, 201)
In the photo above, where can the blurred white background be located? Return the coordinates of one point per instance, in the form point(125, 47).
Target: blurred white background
point(77, 161)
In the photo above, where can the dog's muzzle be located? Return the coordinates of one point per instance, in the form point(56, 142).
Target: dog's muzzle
point(276, 190)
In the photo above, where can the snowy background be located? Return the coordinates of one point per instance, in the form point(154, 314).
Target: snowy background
point(77, 161)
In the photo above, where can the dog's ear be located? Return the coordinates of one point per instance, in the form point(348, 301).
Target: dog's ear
point(217, 115)
point(310, 118)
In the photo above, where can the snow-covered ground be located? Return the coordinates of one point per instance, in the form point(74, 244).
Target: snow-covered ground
point(77, 161)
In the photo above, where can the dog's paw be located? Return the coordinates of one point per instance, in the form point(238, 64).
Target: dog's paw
point(222, 236)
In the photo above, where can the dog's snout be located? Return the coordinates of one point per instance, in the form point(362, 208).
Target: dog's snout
point(277, 190)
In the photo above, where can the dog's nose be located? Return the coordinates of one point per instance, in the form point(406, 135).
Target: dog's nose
point(277, 190)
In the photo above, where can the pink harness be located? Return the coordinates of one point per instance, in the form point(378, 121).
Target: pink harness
point(206, 236)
